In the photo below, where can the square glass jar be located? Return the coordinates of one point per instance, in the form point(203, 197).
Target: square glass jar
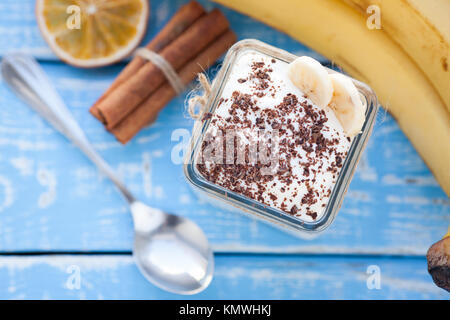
point(224, 198)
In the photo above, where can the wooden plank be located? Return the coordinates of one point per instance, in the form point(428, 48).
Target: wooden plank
point(52, 198)
point(235, 277)
point(20, 32)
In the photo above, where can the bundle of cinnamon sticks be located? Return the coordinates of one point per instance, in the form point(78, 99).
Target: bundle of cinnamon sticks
point(191, 42)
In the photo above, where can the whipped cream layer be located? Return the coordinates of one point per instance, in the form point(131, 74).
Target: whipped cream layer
point(307, 144)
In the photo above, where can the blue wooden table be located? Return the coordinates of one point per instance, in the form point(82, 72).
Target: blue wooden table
point(65, 232)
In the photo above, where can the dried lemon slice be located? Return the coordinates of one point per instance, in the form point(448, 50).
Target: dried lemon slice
point(92, 33)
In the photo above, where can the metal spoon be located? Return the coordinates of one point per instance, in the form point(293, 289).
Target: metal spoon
point(172, 252)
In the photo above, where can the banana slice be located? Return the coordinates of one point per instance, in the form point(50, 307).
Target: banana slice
point(347, 104)
point(312, 79)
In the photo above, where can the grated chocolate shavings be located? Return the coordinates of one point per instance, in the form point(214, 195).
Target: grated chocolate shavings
point(306, 150)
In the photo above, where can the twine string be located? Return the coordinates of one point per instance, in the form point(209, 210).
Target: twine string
point(164, 66)
point(177, 84)
point(200, 100)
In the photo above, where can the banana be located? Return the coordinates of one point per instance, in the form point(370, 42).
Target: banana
point(347, 104)
point(312, 79)
point(334, 90)
point(340, 33)
point(436, 13)
point(422, 29)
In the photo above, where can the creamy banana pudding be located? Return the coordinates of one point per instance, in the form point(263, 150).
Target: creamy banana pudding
point(281, 133)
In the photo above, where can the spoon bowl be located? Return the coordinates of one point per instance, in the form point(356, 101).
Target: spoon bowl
point(172, 249)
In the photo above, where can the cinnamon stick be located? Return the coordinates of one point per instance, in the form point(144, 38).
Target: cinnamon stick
point(128, 95)
point(182, 19)
point(148, 109)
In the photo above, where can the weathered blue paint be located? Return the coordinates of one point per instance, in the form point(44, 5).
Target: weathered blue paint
point(235, 277)
point(53, 199)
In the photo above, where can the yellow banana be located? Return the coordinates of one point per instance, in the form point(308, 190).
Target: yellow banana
point(418, 34)
point(338, 32)
point(437, 14)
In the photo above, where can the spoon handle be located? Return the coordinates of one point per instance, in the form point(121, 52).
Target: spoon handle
point(27, 79)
